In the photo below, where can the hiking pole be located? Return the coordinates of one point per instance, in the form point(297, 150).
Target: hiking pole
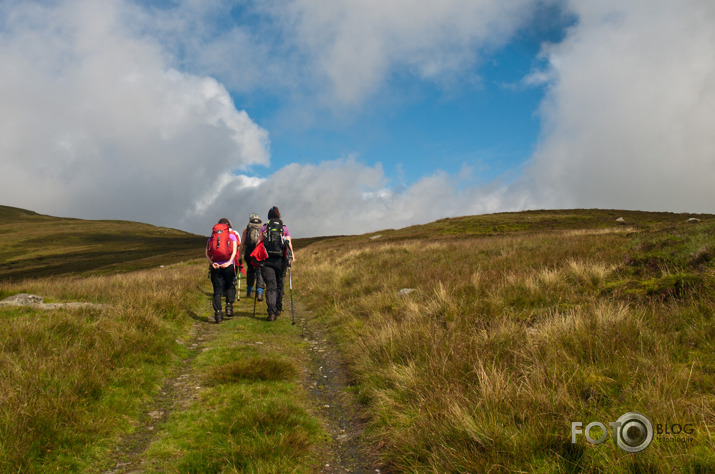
point(255, 295)
point(290, 285)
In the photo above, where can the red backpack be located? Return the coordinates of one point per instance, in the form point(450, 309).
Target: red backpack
point(220, 245)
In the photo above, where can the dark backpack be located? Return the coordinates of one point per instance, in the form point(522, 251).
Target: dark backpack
point(274, 242)
point(253, 233)
point(220, 246)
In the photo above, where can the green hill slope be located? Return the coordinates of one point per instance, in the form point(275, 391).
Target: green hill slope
point(32, 245)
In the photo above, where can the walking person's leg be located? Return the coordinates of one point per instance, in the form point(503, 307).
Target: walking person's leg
point(218, 284)
point(260, 286)
point(230, 288)
point(251, 276)
point(281, 285)
point(269, 277)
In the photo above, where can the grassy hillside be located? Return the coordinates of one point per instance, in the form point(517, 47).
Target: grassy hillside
point(142, 380)
point(519, 325)
point(32, 244)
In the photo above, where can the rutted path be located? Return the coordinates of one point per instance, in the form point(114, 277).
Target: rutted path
point(324, 380)
point(179, 390)
point(327, 384)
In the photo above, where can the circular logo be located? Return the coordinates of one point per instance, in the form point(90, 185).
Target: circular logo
point(634, 432)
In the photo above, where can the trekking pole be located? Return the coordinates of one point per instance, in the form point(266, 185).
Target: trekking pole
point(255, 296)
point(290, 285)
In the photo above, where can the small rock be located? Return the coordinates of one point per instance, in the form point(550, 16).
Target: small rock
point(693, 219)
point(405, 291)
point(375, 237)
point(620, 220)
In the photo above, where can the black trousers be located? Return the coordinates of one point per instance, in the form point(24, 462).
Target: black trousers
point(253, 275)
point(273, 271)
point(222, 281)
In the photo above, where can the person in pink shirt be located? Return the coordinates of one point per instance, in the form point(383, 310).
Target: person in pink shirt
point(223, 275)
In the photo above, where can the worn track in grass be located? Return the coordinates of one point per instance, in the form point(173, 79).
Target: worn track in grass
point(178, 391)
point(328, 386)
point(345, 451)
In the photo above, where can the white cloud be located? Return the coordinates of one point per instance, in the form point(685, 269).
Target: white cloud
point(345, 196)
point(628, 118)
point(338, 51)
point(95, 123)
point(355, 45)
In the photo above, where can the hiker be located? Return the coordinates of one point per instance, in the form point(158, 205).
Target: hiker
point(277, 242)
point(249, 240)
point(221, 250)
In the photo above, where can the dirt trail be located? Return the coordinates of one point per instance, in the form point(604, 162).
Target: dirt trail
point(327, 384)
point(177, 393)
point(325, 381)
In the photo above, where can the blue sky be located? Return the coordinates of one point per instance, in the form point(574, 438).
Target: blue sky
point(354, 115)
point(487, 121)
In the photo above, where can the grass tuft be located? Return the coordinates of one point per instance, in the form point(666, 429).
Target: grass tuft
point(253, 369)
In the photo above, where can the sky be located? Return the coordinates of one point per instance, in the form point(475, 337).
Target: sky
point(354, 116)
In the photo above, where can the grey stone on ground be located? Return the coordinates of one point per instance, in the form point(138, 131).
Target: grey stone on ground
point(22, 299)
point(26, 299)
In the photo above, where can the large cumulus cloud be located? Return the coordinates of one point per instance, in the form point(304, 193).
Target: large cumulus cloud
point(627, 121)
point(96, 123)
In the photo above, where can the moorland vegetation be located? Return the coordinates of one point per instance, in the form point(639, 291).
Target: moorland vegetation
point(516, 325)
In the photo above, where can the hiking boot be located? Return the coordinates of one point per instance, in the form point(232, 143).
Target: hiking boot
point(260, 295)
point(270, 317)
point(229, 310)
point(218, 317)
point(249, 292)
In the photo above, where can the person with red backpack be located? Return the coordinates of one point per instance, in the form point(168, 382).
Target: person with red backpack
point(221, 250)
point(249, 240)
point(279, 248)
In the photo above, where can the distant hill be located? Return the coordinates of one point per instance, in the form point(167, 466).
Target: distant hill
point(33, 244)
point(530, 222)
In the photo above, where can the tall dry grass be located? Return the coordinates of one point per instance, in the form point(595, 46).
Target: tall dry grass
point(509, 339)
point(72, 377)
